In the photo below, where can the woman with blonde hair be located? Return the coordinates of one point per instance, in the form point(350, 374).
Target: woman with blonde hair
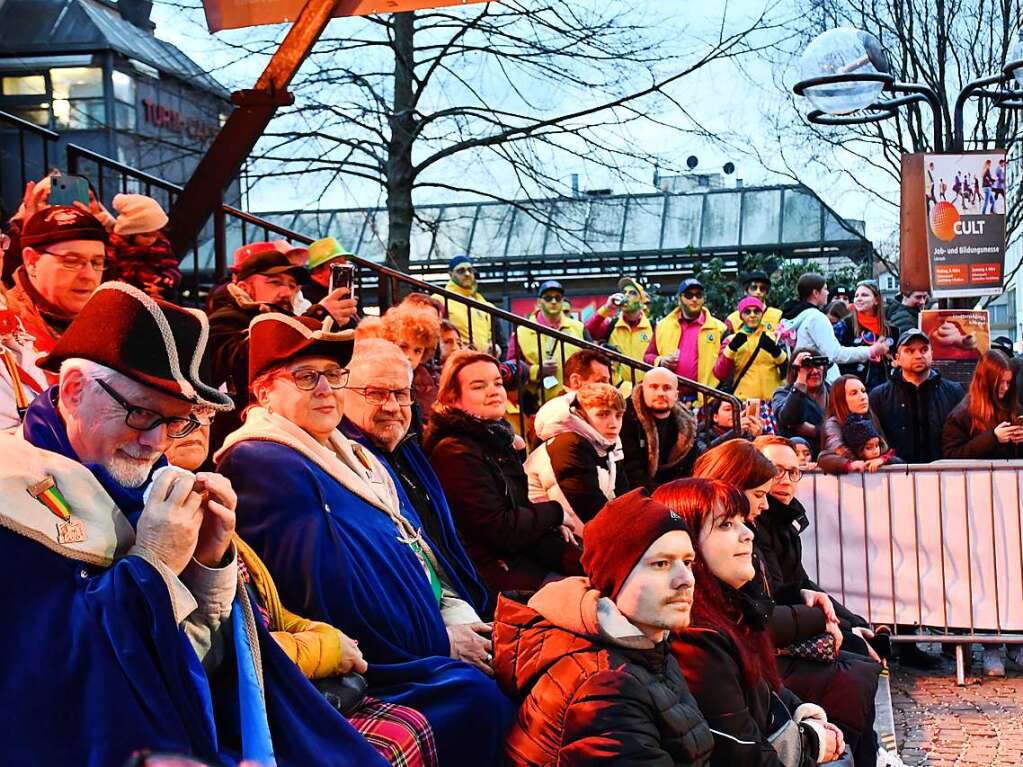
point(414, 328)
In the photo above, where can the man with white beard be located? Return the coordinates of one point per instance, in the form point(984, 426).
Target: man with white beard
point(122, 571)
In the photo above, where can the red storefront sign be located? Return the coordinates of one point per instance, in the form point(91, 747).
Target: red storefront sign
point(233, 14)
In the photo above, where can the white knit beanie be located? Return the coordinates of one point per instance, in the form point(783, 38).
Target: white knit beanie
point(137, 214)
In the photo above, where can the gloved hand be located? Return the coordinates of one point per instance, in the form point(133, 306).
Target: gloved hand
point(769, 345)
point(737, 341)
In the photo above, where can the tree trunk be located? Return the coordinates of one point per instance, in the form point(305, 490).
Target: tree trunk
point(400, 173)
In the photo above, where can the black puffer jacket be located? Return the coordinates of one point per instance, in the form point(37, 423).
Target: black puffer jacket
point(913, 417)
point(592, 689)
point(515, 544)
point(742, 718)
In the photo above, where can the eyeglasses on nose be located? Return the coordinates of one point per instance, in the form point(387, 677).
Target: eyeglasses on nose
point(380, 396)
point(308, 379)
point(794, 475)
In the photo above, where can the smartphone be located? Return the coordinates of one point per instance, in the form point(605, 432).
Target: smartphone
point(67, 190)
point(815, 362)
point(753, 407)
point(343, 276)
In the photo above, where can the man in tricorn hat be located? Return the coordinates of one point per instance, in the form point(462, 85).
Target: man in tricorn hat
point(121, 570)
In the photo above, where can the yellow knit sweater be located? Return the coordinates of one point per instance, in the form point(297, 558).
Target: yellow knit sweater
point(314, 647)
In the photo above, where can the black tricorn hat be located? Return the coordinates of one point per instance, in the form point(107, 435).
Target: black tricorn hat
point(153, 342)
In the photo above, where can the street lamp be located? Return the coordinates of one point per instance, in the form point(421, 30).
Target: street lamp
point(847, 77)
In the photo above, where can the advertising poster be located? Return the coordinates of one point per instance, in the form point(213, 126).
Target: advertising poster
point(965, 195)
point(956, 334)
point(233, 14)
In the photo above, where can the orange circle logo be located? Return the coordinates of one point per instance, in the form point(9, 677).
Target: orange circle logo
point(944, 218)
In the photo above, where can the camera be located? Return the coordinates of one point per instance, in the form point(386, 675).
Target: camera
point(815, 362)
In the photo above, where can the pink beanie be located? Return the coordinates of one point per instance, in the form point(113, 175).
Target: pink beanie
point(749, 301)
point(137, 214)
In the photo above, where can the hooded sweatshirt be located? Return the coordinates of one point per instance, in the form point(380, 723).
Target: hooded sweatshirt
point(593, 689)
point(576, 466)
point(813, 330)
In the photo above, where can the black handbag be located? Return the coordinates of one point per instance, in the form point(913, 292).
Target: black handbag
point(345, 693)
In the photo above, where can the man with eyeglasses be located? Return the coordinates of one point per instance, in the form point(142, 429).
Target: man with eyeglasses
point(64, 253)
point(473, 325)
point(378, 414)
point(123, 568)
point(845, 687)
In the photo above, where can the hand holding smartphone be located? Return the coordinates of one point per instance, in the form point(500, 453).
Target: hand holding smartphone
point(343, 276)
point(67, 190)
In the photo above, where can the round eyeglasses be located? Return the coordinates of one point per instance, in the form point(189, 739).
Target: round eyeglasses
point(794, 475)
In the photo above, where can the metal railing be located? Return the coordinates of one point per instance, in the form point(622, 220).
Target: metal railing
point(33, 146)
point(934, 551)
point(230, 228)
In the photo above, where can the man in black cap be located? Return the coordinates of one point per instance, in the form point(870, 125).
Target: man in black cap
point(544, 354)
point(589, 656)
point(266, 281)
point(756, 284)
point(914, 404)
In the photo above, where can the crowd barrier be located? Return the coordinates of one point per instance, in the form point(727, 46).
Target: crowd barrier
point(934, 550)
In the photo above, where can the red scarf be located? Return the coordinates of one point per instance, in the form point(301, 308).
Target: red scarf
point(869, 322)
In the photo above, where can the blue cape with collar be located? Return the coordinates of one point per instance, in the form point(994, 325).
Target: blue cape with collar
point(96, 668)
point(337, 559)
point(457, 565)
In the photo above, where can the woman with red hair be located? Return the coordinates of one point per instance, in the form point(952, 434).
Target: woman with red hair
point(986, 424)
point(727, 655)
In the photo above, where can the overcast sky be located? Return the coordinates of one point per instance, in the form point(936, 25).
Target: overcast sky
point(732, 99)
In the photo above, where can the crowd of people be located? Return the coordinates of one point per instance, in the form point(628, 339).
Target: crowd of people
point(276, 531)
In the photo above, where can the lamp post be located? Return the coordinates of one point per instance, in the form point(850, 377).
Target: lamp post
point(847, 77)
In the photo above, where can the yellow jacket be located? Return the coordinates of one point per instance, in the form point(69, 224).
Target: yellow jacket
point(632, 342)
point(668, 333)
point(458, 315)
point(551, 348)
point(314, 647)
point(764, 375)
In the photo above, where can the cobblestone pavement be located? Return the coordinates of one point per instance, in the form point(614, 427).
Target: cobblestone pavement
point(939, 724)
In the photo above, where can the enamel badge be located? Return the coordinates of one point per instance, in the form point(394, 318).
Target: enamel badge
point(69, 530)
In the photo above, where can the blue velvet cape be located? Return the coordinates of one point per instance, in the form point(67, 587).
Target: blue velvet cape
point(336, 558)
point(465, 580)
point(94, 666)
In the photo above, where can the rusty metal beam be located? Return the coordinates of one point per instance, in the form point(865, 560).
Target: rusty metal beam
point(253, 111)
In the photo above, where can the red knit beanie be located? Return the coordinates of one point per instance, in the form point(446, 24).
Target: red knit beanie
point(618, 536)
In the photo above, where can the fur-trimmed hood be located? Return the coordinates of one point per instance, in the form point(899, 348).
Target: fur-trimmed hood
point(685, 421)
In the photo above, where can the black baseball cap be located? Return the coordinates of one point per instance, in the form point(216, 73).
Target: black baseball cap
point(913, 334)
point(272, 262)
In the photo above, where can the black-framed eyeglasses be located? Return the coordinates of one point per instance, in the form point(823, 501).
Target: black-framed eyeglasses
point(380, 396)
point(143, 419)
point(307, 379)
point(794, 474)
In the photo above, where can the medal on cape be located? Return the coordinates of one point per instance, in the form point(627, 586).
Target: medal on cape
point(48, 494)
point(371, 474)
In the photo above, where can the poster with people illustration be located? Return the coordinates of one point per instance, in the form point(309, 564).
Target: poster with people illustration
point(965, 205)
